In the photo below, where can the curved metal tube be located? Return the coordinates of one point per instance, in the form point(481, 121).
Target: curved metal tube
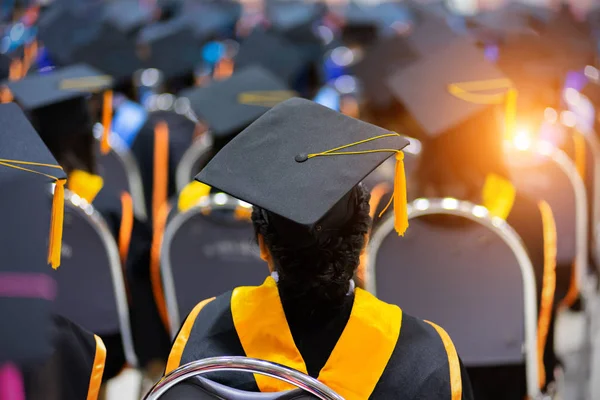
point(183, 174)
point(242, 364)
point(479, 214)
point(562, 160)
point(88, 212)
point(134, 176)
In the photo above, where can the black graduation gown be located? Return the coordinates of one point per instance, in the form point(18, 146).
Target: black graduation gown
point(142, 308)
point(74, 367)
point(181, 136)
point(418, 367)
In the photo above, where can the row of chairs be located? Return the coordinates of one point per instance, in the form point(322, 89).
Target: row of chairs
point(226, 243)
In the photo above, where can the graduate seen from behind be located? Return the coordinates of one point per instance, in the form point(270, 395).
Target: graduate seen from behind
point(300, 165)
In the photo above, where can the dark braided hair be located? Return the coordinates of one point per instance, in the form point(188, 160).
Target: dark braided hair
point(317, 274)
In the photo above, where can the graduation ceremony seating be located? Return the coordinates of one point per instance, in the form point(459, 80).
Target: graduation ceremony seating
point(192, 161)
point(546, 173)
point(477, 279)
point(185, 383)
point(91, 286)
point(205, 251)
point(121, 172)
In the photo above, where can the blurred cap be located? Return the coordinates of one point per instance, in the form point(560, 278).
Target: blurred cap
point(423, 87)
point(231, 105)
point(128, 15)
point(274, 53)
point(77, 81)
point(276, 165)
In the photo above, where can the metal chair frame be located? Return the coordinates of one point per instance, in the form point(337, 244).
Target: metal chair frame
point(562, 160)
point(242, 364)
point(134, 176)
point(480, 215)
point(219, 201)
point(183, 174)
point(87, 211)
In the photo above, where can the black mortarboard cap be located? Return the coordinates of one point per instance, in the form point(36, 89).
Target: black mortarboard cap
point(23, 155)
point(60, 85)
point(294, 18)
point(211, 20)
point(230, 105)
point(127, 15)
point(423, 87)
point(360, 24)
point(171, 47)
point(429, 32)
point(276, 165)
point(383, 58)
point(274, 53)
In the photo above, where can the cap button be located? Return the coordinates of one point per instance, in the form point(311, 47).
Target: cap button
point(301, 157)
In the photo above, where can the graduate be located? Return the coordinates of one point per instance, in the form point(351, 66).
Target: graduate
point(300, 165)
point(42, 356)
point(57, 106)
point(453, 97)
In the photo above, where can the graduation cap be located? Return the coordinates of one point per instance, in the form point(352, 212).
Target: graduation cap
point(230, 105)
point(171, 47)
point(429, 32)
point(212, 19)
point(274, 53)
point(52, 96)
point(294, 18)
point(22, 151)
point(383, 58)
point(451, 87)
point(127, 15)
point(300, 162)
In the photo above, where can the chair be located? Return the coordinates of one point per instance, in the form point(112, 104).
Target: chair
point(120, 171)
point(193, 160)
point(544, 172)
point(91, 288)
point(483, 295)
point(177, 385)
point(207, 251)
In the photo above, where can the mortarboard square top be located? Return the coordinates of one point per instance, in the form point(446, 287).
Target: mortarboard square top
point(20, 142)
point(423, 87)
point(268, 164)
point(231, 105)
point(38, 91)
point(274, 53)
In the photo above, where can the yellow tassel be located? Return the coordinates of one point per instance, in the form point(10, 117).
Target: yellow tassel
point(400, 207)
point(85, 185)
point(56, 224)
point(580, 149)
point(191, 195)
point(106, 121)
point(498, 196)
point(399, 197)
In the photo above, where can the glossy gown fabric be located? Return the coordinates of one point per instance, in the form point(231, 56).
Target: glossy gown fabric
point(65, 375)
point(418, 367)
point(143, 314)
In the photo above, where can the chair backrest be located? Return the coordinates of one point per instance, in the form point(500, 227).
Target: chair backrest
point(203, 389)
point(91, 288)
point(207, 251)
point(471, 275)
point(546, 173)
point(193, 160)
point(120, 171)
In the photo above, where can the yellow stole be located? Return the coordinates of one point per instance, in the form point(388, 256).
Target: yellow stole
point(85, 185)
point(357, 361)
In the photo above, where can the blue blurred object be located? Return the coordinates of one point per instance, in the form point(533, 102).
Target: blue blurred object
point(128, 120)
point(212, 52)
point(492, 52)
point(6, 8)
point(328, 97)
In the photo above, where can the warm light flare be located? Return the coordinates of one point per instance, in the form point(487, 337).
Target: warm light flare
point(522, 139)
